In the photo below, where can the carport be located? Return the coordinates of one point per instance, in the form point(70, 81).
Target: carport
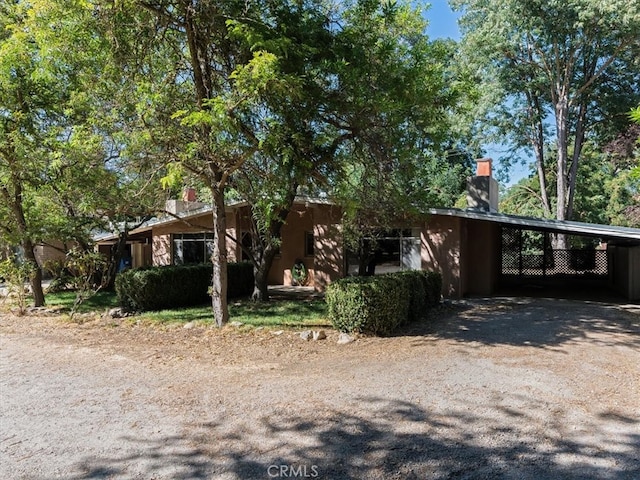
point(482, 253)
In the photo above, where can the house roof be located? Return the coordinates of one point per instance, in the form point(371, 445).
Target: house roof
point(605, 232)
point(188, 215)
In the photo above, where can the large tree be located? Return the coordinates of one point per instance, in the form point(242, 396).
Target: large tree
point(215, 80)
point(398, 159)
point(560, 72)
point(41, 104)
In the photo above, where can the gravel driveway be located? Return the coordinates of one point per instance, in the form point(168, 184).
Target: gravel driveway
point(500, 388)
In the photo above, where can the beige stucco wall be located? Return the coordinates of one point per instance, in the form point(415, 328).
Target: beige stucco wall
point(624, 267)
point(299, 221)
point(441, 246)
point(49, 253)
point(141, 255)
point(233, 250)
point(329, 261)
point(161, 243)
point(481, 259)
point(321, 220)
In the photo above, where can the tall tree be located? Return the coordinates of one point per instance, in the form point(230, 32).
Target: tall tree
point(38, 106)
point(296, 147)
point(396, 158)
point(560, 68)
point(208, 105)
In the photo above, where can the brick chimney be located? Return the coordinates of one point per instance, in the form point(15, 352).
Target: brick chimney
point(188, 203)
point(482, 189)
point(189, 194)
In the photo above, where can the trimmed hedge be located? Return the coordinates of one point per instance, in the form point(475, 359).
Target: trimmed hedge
point(379, 304)
point(156, 288)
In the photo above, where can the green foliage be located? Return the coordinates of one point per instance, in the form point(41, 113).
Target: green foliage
point(607, 192)
point(155, 288)
point(16, 274)
point(399, 160)
point(552, 75)
point(379, 304)
point(61, 279)
point(85, 268)
point(425, 291)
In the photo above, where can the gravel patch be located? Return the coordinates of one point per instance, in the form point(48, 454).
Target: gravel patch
point(502, 388)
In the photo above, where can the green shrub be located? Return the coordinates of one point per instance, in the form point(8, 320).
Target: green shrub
point(416, 285)
point(425, 288)
point(239, 279)
point(375, 305)
point(379, 304)
point(433, 287)
point(155, 288)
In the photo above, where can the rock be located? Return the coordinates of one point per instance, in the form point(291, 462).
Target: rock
point(116, 313)
point(345, 338)
point(189, 325)
point(306, 335)
point(236, 324)
point(278, 332)
point(319, 335)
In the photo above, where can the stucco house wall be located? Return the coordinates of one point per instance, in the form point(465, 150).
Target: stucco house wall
point(625, 266)
point(329, 258)
point(481, 261)
point(324, 265)
point(441, 244)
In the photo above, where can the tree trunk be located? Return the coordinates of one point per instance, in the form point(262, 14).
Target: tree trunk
point(261, 275)
point(109, 279)
point(219, 259)
point(561, 182)
point(264, 254)
point(577, 150)
point(538, 148)
point(15, 202)
point(36, 276)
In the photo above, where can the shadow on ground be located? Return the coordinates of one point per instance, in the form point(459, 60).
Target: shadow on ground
point(386, 440)
point(539, 323)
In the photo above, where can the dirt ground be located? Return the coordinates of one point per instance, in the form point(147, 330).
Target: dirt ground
point(488, 388)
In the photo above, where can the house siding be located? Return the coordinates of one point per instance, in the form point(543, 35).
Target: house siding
point(324, 266)
point(441, 245)
point(481, 258)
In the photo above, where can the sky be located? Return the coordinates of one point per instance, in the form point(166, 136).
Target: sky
point(443, 23)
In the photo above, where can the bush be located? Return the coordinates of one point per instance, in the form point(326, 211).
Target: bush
point(375, 305)
point(433, 287)
point(379, 304)
point(155, 288)
point(16, 273)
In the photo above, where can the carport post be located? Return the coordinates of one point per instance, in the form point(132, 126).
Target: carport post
point(520, 252)
point(545, 244)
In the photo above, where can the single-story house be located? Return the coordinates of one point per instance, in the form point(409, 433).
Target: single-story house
point(477, 250)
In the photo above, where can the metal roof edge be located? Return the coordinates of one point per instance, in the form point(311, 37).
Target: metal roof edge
point(171, 218)
point(562, 226)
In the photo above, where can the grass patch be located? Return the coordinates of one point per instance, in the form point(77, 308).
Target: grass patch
point(101, 301)
point(275, 313)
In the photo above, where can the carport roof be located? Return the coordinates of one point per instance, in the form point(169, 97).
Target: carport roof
point(604, 232)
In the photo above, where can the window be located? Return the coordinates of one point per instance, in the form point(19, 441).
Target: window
point(309, 244)
point(247, 244)
point(386, 251)
point(192, 248)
